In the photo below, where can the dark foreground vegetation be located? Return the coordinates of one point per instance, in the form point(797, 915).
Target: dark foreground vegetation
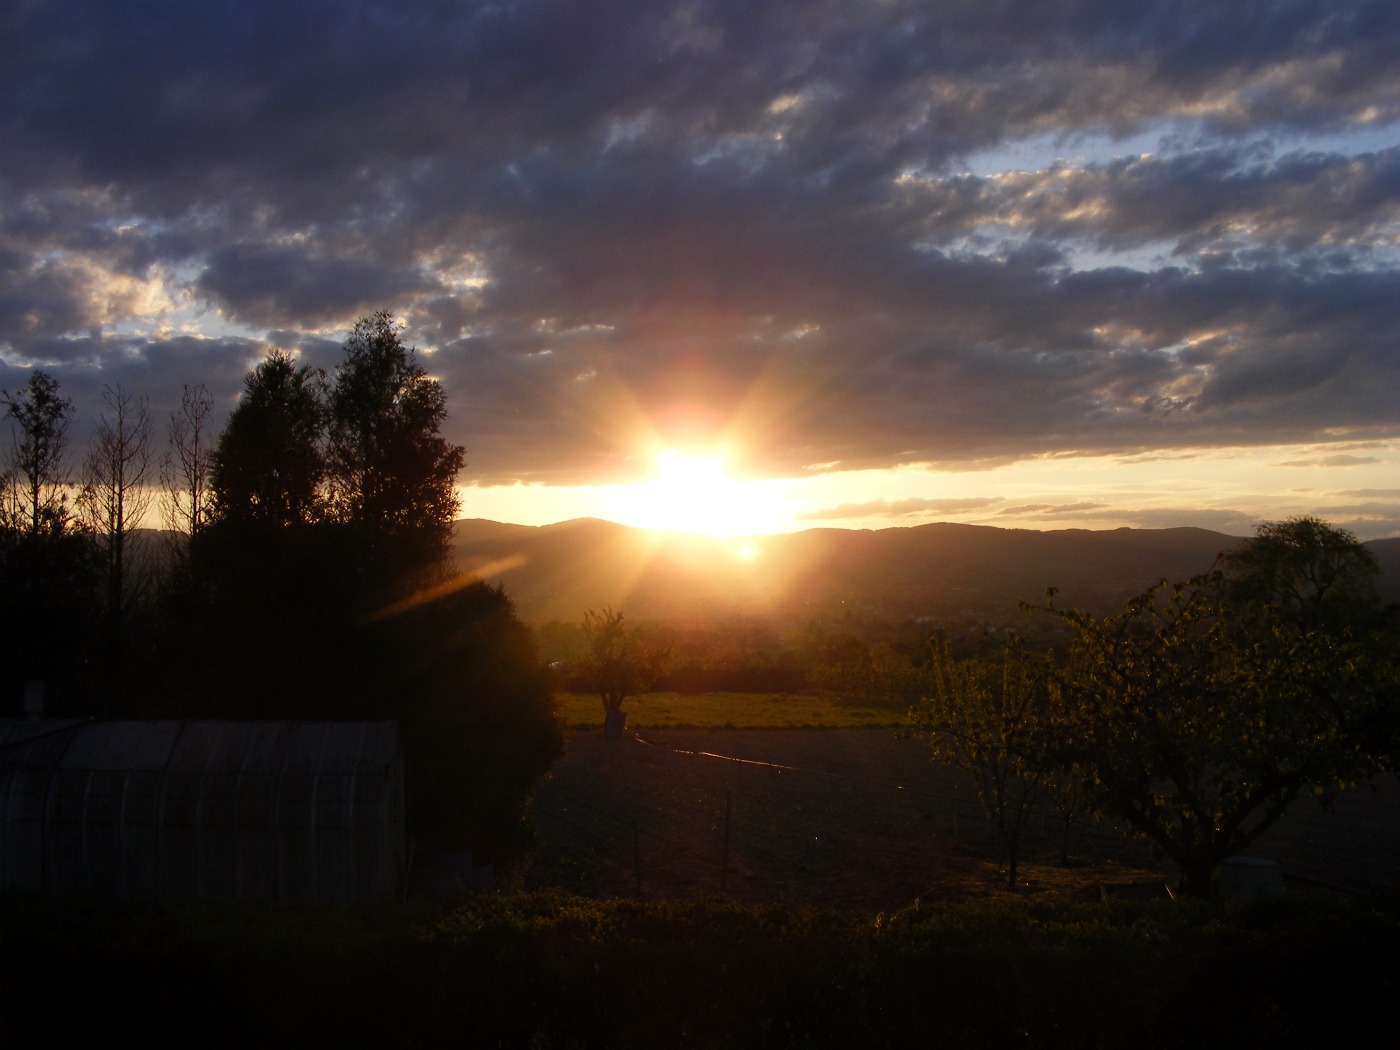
point(304, 574)
point(549, 971)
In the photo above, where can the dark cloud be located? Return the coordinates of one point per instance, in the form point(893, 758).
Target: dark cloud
point(262, 283)
point(597, 218)
point(1213, 199)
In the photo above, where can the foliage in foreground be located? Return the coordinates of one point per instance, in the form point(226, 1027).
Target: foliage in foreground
point(1198, 714)
point(558, 971)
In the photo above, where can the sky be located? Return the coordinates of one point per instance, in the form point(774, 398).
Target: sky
point(747, 266)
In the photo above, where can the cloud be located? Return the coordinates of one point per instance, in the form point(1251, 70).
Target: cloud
point(1216, 199)
point(1080, 513)
point(1229, 521)
point(1339, 460)
point(280, 285)
point(901, 508)
point(1051, 510)
point(753, 220)
point(1372, 519)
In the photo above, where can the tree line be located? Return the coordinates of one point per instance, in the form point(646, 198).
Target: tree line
point(305, 572)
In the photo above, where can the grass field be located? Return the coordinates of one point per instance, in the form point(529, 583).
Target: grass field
point(728, 711)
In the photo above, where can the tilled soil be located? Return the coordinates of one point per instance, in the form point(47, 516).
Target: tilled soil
point(861, 818)
point(832, 817)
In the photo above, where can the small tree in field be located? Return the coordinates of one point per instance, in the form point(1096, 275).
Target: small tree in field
point(617, 661)
point(992, 720)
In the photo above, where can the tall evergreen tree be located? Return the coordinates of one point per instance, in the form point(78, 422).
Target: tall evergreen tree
point(392, 474)
point(269, 464)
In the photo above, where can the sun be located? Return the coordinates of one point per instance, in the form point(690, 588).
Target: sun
point(692, 492)
point(680, 472)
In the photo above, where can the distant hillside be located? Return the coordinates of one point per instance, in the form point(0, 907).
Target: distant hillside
point(558, 571)
point(1387, 554)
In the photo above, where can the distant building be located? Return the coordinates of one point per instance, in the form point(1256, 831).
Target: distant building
point(180, 810)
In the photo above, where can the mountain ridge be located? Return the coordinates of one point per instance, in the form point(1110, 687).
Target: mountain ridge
point(937, 569)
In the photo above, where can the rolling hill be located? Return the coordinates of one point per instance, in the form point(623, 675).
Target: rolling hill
point(555, 572)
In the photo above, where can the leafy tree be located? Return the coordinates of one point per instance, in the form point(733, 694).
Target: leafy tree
point(269, 464)
point(617, 660)
point(464, 677)
point(392, 475)
point(261, 600)
point(994, 721)
point(1198, 717)
point(1312, 573)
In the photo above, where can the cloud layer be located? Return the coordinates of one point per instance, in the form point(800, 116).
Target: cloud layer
point(844, 235)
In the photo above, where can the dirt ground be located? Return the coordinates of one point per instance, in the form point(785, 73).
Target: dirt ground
point(860, 818)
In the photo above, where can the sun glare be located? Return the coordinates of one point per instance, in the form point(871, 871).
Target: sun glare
point(691, 492)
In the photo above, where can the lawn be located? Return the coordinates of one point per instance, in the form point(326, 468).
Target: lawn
point(728, 711)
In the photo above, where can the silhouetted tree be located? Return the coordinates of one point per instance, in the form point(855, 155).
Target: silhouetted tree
point(392, 475)
point(463, 675)
point(259, 584)
point(1198, 714)
point(48, 600)
point(616, 661)
point(994, 721)
point(111, 505)
point(269, 463)
point(36, 500)
point(187, 465)
point(321, 588)
point(1312, 573)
